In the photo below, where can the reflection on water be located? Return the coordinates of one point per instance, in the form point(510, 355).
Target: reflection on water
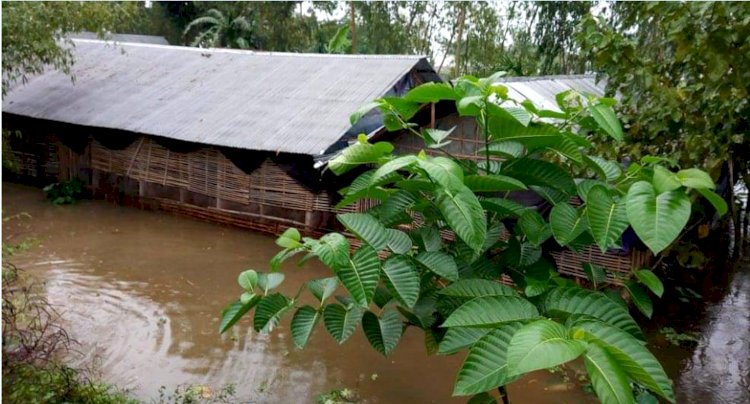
point(719, 368)
point(141, 292)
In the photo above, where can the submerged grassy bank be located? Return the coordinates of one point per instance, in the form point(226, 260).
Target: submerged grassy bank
point(33, 346)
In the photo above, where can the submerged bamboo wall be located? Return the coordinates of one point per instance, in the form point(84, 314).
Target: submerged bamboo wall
point(207, 179)
point(205, 184)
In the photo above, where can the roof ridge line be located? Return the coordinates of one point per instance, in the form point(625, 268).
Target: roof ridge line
point(250, 52)
point(546, 77)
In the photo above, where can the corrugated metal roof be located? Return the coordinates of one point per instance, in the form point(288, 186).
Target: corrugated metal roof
point(543, 89)
point(131, 38)
point(284, 102)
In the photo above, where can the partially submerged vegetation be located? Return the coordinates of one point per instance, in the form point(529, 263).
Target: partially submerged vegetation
point(448, 285)
point(34, 345)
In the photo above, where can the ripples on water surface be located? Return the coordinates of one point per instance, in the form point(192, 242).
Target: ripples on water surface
point(142, 291)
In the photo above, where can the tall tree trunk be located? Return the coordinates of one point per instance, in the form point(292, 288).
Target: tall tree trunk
point(509, 18)
point(425, 45)
point(447, 48)
point(457, 54)
point(353, 27)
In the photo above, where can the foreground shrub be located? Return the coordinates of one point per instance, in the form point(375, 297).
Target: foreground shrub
point(431, 254)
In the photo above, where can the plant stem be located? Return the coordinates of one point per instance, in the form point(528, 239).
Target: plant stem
point(504, 394)
point(486, 140)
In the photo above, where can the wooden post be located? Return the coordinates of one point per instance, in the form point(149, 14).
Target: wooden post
point(309, 215)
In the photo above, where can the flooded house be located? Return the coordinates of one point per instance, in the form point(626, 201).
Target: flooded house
point(226, 135)
point(233, 136)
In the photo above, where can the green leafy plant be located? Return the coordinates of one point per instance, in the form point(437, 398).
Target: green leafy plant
point(431, 254)
point(674, 337)
point(197, 393)
point(64, 193)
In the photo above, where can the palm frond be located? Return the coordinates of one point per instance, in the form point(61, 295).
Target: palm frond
point(205, 20)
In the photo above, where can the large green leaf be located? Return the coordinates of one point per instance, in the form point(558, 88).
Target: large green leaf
point(392, 166)
point(382, 296)
point(332, 250)
point(503, 126)
point(289, 238)
point(486, 368)
point(363, 188)
point(542, 344)
point(596, 275)
point(552, 196)
point(365, 227)
point(402, 279)
point(629, 353)
point(648, 278)
point(322, 289)
point(359, 153)
point(491, 311)
point(269, 312)
point(507, 149)
point(657, 220)
point(248, 279)
point(439, 263)
point(384, 332)
point(234, 312)
point(443, 171)
point(503, 207)
point(536, 229)
point(477, 288)
point(664, 180)
point(458, 338)
point(695, 178)
point(607, 217)
point(568, 149)
point(717, 201)
point(431, 92)
point(607, 377)
point(270, 281)
point(364, 109)
point(340, 321)
point(537, 172)
point(303, 324)
point(396, 205)
point(428, 238)
point(519, 255)
point(607, 120)
point(605, 169)
point(465, 216)
point(567, 223)
point(640, 298)
point(398, 241)
point(492, 183)
point(361, 276)
point(576, 300)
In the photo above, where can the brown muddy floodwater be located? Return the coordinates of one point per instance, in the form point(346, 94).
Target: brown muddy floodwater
point(717, 369)
point(142, 291)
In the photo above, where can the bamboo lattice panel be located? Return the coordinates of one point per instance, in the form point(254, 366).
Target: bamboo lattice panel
point(207, 171)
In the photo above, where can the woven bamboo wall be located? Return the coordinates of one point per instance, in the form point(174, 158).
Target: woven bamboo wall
point(208, 172)
point(35, 155)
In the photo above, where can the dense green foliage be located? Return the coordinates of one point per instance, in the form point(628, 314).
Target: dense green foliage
point(222, 31)
point(679, 71)
point(64, 193)
point(431, 254)
point(680, 76)
point(26, 383)
point(34, 33)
